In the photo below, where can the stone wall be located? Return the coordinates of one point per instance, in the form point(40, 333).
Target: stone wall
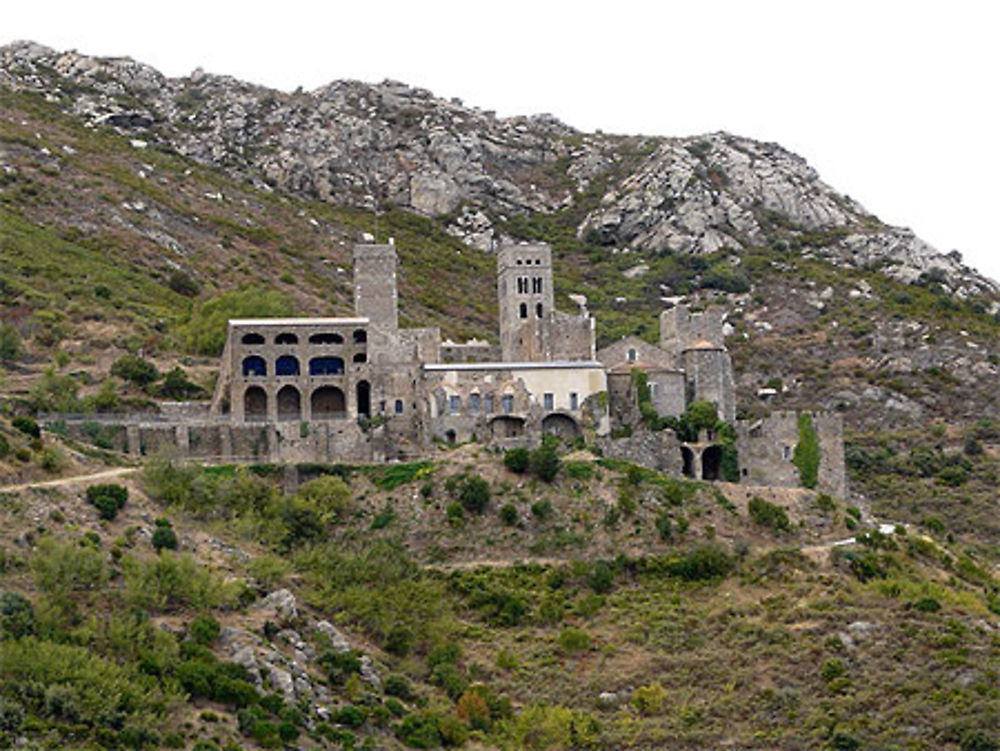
point(680, 328)
point(660, 451)
point(766, 448)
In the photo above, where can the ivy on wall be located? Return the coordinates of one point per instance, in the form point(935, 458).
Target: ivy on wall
point(807, 454)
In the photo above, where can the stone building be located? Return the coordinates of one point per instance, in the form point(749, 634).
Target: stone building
point(362, 389)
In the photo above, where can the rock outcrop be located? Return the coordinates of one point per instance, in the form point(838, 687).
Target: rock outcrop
point(389, 144)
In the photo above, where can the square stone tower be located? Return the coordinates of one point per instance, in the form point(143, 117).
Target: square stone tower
point(375, 295)
point(524, 291)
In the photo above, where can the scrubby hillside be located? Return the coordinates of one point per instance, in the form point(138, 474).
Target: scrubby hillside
point(384, 608)
point(455, 601)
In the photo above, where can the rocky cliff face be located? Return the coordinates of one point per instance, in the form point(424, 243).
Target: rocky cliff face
point(389, 144)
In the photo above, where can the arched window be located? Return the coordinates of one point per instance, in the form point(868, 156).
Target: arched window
point(360, 336)
point(538, 309)
point(327, 337)
point(631, 355)
point(328, 402)
point(398, 407)
point(286, 365)
point(320, 366)
point(255, 404)
point(523, 310)
point(360, 357)
point(289, 403)
point(252, 338)
point(286, 338)
point(254, 366)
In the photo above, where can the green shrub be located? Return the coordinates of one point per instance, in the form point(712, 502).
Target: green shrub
point(831, 669)
point(11, 716)
point(927, 605)
point(572, 639)
point(135, 369)
point(17, 616)
point(508, 514)
point(517, 460)
point(542, 509)
point(329, 496)
point(768, 515)
point(664, 526)
point(351, 716)
point(601, 578)
point(108, 499)
point(455, 514)
point(398, 685)
point(27, 426)
point(4, 447)
point(419, 730)
point(806, 456)
point(170, 582)
point(339, 666)
point(176, 385)
point(205, 333)
point(10, 343)
point(701, 564)
point(183, 284)
point(544, 461)
point(579, 470)
point(204, 629)
point(474, 493)
point(164, 538)
point(648, 700)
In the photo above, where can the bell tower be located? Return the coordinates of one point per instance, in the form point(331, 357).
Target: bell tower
point(524, 291)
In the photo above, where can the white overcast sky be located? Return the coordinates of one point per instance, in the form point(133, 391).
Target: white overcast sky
point(894, 103)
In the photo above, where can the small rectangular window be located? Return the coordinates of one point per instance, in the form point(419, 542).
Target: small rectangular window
point(548, 401)
point(786, 452)
point(536, 285)
point(473, 402)
point(507, 403)
point(489, 404)
point(454, 404)
point(398, 407)
point(574, 400)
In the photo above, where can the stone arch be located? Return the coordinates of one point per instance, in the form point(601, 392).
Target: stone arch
point(254, 404)
point(320, 366)
point(560, 425)
point(363, 393)
point(506, 426)
point(360, 336)
point(289, 403)
point(286, 365)
point(687, 459)
point(255, 366)
point(252, 338)
point(286, 337)
point(328, 402)
point(711, 463)
point(326, 337)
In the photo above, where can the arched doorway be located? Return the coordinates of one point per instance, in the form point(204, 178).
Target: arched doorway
point(450, 437)
point(687, 457)
point(255, 404)
point(560, 425)
point(364, 395)
point(506, 427)
point(328, 402)
point(711, 463)
point(289, 403)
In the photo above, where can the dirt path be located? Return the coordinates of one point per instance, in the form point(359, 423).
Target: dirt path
point(95, 477)
point(494, 563)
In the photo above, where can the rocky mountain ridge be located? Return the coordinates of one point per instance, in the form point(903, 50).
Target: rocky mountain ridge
point(388, 144)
